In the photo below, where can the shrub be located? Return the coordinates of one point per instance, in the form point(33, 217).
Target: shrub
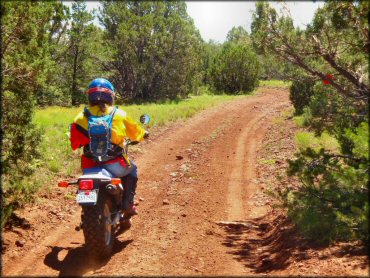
point(333, 202)
point(300, 94)
point(21, 77)
point(235, 69)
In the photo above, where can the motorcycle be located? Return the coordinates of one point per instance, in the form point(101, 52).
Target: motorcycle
point(100, 197)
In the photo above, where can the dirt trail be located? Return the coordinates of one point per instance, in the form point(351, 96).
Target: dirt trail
point(194, 175)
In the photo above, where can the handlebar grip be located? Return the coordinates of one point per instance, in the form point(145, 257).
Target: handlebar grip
point(134, 143)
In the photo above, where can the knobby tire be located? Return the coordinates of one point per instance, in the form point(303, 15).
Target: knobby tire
point(94, 225)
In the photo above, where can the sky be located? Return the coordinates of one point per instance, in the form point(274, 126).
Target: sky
point(215, 19)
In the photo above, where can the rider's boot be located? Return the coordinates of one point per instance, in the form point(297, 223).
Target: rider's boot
point(129, 183)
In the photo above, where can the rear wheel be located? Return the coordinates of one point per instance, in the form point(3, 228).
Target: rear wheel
point(98, 229)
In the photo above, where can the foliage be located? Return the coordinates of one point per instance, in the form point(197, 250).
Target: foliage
point(235, 69)
point(24, 72)
point(332, 203)
point(238, 35)
point(327, 48)
point(52, 48)
point(272, 66)
point(36, 67)
point(210, 50)
point(155, 49)
point(300, 94)
point(84, 52)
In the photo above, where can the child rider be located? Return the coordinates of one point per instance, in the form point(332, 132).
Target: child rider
point(101, 97)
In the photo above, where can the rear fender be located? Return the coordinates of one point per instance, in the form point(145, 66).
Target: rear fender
point(101, 179)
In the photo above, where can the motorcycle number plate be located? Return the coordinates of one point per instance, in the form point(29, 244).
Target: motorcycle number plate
point(85, 196)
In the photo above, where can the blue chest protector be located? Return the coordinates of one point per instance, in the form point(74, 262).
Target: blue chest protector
point(101, 148)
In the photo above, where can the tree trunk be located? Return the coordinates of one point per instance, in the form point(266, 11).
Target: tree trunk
point(74, 80)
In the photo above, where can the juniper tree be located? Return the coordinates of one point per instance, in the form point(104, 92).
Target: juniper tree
point(154, 46)
point(333, 198)
point(27, 29)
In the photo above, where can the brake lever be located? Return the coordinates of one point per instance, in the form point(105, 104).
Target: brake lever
point(129, 142)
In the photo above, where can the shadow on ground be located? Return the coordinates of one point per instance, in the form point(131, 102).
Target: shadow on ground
point(77, 262)
point(266, 244)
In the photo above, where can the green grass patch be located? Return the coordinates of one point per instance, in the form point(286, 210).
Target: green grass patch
point(306, 140)
point(57, 119)
point(299, 121)
point(162, 114)
point(287, 113)
point(267, 161)
point(275, 83)
point(278, 121)
point(69, 196)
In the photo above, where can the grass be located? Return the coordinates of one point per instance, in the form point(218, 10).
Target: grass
point(163, 114)
point(60, 117)
point(309, 140)
point(275, 83)
point(267, 161)
point(299, 121)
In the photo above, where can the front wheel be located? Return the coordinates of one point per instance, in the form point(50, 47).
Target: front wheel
point(97, 228)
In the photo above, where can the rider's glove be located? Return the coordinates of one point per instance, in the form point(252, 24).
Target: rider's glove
point(146, 135)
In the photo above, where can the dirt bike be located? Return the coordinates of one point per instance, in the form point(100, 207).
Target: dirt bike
point(100, 197)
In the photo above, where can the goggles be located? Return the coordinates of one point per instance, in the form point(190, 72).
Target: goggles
point(100, 89)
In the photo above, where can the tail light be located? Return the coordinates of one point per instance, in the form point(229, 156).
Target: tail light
point(63, 184)
point(86, 184)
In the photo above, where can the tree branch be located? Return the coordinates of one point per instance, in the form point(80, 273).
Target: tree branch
point(363, 89)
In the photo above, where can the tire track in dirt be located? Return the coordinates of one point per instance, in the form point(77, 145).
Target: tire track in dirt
point(242, 185)
point(178, 238)
point(241, 174)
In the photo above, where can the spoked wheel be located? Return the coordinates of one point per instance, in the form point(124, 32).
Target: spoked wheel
point(97, 228)
point(108, 224)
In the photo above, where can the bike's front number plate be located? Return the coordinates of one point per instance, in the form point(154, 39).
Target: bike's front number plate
point(84, 196)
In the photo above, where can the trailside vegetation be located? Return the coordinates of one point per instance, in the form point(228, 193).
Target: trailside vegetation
point(235, 68)
point(154, 47)
point(29, 31)
point(330, 90)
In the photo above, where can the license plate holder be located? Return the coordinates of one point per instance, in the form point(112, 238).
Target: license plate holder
point(87, 196)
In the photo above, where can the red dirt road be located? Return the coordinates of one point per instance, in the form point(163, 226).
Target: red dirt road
point(192, 176)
